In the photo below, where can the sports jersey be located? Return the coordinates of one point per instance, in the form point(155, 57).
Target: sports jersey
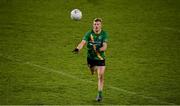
point(94, 42)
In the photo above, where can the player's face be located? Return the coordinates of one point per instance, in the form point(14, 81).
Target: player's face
point(97, 26)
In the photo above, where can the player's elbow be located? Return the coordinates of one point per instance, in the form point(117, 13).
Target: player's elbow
point(103, 48)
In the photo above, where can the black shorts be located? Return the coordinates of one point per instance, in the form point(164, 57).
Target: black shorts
point(92, 63)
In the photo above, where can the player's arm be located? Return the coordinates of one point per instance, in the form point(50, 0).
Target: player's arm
point(104, 47)
point(82, 43)
point(80, 46)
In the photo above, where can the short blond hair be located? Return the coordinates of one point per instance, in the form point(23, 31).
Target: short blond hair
point(97, 20)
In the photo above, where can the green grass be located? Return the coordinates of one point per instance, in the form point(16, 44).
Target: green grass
point(38, 67)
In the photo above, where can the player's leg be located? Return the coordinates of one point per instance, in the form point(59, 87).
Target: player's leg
point(100, 72)
point(92, 65)
point(93, 69)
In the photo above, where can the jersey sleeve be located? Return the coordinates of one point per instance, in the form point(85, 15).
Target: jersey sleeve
point(86, 36)
point(105, 39)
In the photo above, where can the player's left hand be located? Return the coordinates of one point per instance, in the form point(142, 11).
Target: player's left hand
point(76, 50)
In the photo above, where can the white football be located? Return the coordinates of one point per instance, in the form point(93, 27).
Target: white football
point(76, 14)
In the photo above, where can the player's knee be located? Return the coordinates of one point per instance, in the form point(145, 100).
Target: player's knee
point(101, 77)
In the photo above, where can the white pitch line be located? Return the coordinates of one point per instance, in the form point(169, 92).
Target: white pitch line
point(56, 71)
point(171, 29)
point(83, 80)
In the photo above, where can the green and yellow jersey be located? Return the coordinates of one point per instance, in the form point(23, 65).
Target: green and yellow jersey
point(95, 41)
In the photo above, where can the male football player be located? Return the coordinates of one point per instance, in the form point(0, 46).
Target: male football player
point(96, 41)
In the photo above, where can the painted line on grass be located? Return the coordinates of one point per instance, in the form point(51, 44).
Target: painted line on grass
point(83, 80)
point(171, 29)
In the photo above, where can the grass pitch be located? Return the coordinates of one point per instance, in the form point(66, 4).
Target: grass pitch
point(37, 66)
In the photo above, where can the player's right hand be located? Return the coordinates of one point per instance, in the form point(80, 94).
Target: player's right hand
point(76, 50)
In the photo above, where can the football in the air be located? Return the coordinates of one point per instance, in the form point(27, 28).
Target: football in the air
point(76, 14)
